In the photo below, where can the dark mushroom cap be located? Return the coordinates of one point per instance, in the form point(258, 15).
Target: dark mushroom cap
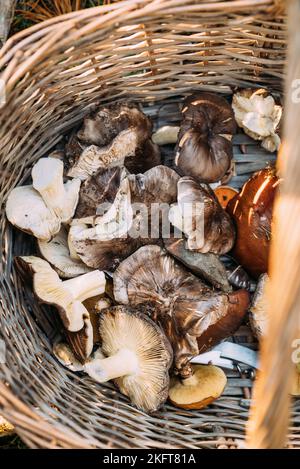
point(81, 342)
point(123, 327)
point(252, 212)
point(204, 148)
point(207, 266)
point(98, 189)
point(113, 135)
point(218, 228)
point(183, 305)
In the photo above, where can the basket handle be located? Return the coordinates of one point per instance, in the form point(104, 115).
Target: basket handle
point(270, 412)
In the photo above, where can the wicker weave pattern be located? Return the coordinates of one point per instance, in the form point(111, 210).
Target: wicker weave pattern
point(155, 52)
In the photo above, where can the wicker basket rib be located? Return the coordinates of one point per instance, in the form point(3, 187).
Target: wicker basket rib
point(155, 52)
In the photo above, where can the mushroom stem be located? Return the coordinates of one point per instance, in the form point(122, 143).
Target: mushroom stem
point(123, 363)
point(47, 176)
point(86, 286)
point(190, 381)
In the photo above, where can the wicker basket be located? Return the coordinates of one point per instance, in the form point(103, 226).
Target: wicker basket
point(155, 52)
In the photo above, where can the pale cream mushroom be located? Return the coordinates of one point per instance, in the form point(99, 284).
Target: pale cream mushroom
point(138, 357)
point(26, 210)
point(259, 311)
point(47, 179)
point(68, 295)
point(57, 253)
point(206, 384)
point(166, 135)
point(259, 116)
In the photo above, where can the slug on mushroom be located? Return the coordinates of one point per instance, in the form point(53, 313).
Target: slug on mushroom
point(114, 135)
point(204, 148)
point(252, 211)
point(138, 357)
point(183, 305)
point(198, 214)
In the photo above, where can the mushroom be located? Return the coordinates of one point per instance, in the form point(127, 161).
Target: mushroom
point(238, 278)
point(224, 194)
point(251, 211)
point(26, 210)
point(183, 305)
point(95, 306)
point(258, 115)
point(108, 239)
point(82, 341)
point(138, 357)
point(57, 253)
point(166, 135)
point(99, 189)
point(207, 266)
point(204, 148)
point(259, 311)
point(41, 208)
point(68, 295)
point(206, 384)
point(115, 135)
point(66, 357)
point(207, 226)
point(47, 179)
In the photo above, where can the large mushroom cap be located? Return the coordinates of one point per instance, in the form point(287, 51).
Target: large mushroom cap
point(138, 357)
point(205, 386)
point(114, 135)
point(252, 211)
point(199, 215)
point(204, 148)
point(184, 306)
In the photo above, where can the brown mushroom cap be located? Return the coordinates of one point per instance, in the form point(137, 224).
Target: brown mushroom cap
point(98, 189)
point(251, 211)
point(81, 342)
point(138, 357)
point(204, 148)
point(198, 391)
point(114, 135)
point(184, 306)
point(207, 266)
point(207, 226)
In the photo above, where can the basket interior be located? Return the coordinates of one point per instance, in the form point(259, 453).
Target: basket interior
point(156, 61)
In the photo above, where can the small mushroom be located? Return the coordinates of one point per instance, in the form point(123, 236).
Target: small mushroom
point(204, 148)
point(225, 194)
point(258, 115)
point(114, 135)
point(252, 211)
point(207, 226)
point(68, 295)
point(57, 253)
point(206, 384)
point(207, 266)
point(66, 357)
point(138, 357)
point(166, 135)
point(47, 179)
point(238, 278)
point(259, 311)
point(95, 306)
point(184, 306)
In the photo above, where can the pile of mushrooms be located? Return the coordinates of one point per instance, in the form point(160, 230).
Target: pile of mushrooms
point(136, 305)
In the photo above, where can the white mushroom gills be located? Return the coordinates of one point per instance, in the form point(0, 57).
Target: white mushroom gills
point(125, 362)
